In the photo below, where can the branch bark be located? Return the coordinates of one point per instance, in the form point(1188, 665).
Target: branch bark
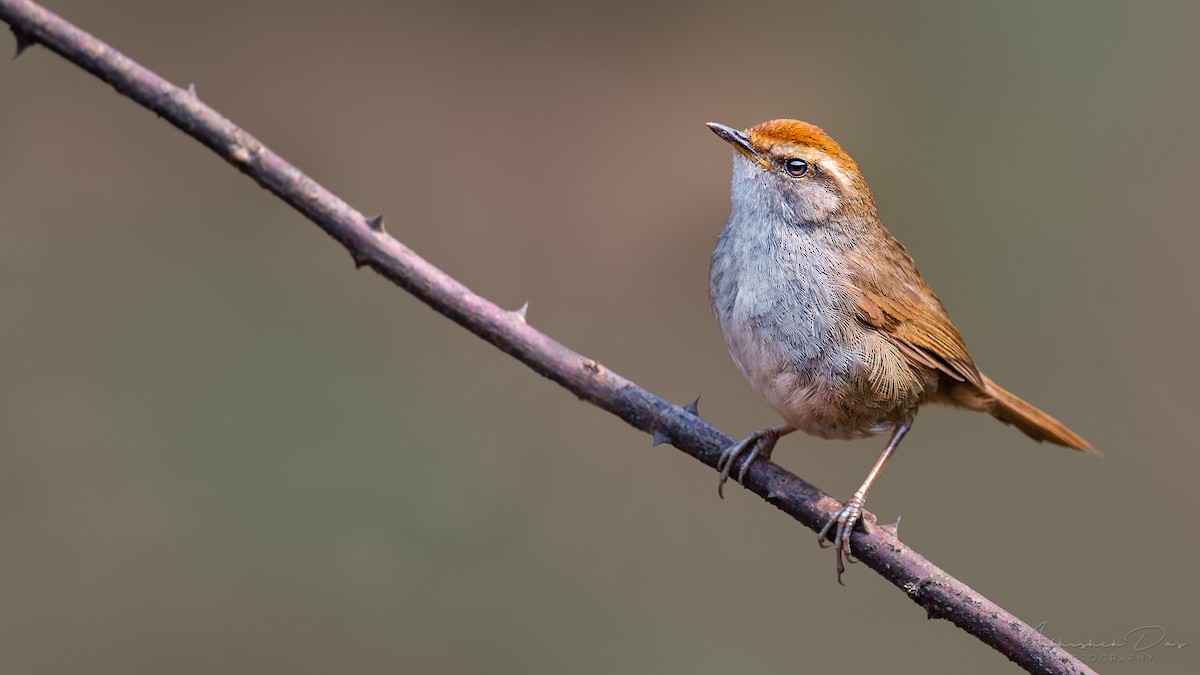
point(369, 245)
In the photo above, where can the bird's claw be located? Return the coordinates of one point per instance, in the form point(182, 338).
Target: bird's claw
point(758, 444)
point(729, 457)
point(845, 519)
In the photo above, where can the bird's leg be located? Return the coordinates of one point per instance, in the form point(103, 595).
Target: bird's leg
point(759, 444)
point(849, 514)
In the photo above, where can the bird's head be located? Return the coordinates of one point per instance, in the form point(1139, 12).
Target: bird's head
point(793, 170)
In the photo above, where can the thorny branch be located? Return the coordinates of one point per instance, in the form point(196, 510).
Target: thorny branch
point(369, 245)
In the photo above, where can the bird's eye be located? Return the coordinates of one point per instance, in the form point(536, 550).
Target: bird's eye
point(796, 167)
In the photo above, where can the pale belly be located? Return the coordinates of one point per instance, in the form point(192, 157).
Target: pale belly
point(823, 397)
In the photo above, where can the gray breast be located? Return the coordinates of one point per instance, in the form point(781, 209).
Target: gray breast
point(773, 299)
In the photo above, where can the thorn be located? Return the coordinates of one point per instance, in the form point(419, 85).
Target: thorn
point(360, 261)
point(24, 41)
point(192, 92)
point(521, 312)
point(376, 223)
point(658, 437)
point(867, 522)
point(893, 528)
point(693, 407)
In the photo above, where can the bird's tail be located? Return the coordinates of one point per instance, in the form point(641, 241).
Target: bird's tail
point(1036, 424)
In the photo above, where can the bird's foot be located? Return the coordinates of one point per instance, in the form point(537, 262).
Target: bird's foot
point(845, 519)
point(757, 444)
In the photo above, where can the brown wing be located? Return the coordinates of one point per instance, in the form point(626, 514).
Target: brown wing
point(901, 307)
point(911, 315)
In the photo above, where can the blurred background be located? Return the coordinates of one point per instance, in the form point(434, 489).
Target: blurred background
point(223, 449)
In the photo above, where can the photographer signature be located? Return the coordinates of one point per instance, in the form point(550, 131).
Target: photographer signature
point(1139, 639)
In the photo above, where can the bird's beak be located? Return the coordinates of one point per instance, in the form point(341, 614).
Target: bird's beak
point(740, 140)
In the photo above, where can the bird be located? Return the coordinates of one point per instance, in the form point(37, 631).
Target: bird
point(826, 316)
